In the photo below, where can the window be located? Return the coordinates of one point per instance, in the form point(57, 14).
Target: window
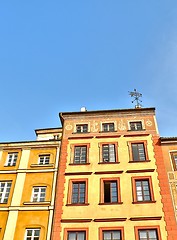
point(110, 191)
point(147, 234)
point(174, 160)
point(32, 234)
point(142, 188)
point(82, 128)
point(112, 235)
point(136, 126)
point(44, 159)
point(79, 235)
point(38, 194)
point(108, 127)
point(138, 152)
point(80, 154)
point(78, 191)
point(108, 153)
point(12, 159)
point(4, 191)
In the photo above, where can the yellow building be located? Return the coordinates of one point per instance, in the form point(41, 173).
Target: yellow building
point(169, 148)
point(28, 172)
point(112, 183)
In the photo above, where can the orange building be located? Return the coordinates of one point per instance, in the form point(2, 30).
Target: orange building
point(28, 172)
point(169, 149)
point(112, 183)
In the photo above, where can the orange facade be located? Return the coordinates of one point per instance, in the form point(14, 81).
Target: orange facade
point(112, 182)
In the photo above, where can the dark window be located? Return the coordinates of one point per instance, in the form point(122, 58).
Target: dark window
point(108, 127)
point(110, 192)
point(112, 235)
point(78, 192)
point(148, 234)
point(80, 154)
point(138, 152)
point(82, 128)
point(174, 160)
point(108, 152)
point(81, 235)
point(142, 190)
point(136, 126)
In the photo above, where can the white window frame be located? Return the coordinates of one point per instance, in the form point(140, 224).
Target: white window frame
point(32, 237)
point(81, 125)
point(37, 195)
point(4, 194)
point(11, 159)
point(45, 159)
point(137, 120)
point(108, 122)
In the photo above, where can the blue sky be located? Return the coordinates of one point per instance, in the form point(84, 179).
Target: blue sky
point(57, 56)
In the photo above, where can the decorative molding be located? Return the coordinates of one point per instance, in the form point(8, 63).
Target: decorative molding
point(80, 137)
point(109, 172)
point(77, 173)
point(109, 219)
point(144, 161)
point(145, 218)
point(75, 220)
point(33, 165)
point(107, 135)
point(37, 203)
point(140, 171)
point(137, 135)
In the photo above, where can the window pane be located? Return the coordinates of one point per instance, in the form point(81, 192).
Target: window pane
point(112, 235)
point(80, 154)
point(138, 152)
point(149, 234)
point(78, 192)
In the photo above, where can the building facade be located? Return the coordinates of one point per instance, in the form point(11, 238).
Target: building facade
point(28, 172)
point(169, 149)
point(112, 182)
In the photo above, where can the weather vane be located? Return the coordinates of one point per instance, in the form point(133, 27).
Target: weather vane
point(136, 95)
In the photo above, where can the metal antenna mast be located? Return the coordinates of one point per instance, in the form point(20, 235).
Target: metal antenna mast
point(136, 95)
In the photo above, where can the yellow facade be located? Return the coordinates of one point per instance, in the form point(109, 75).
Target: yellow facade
point(169, 148)
point(24, 208)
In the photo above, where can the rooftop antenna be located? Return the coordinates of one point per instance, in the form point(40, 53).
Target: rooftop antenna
point(136, 95)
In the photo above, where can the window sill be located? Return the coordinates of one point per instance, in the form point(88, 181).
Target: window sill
point(108, 162)
point(140, 161)
point(131, 130)
point(42, 165)
point(37, 203)
point(107, 131)
point(80, 132)
point(143, 202)
point(117, 203)
point(8, 166)
point(78, 164)
point(77, 204)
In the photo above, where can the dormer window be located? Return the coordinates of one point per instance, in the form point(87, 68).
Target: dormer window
point(108, 127)
point(82, 128)
point(136, 126)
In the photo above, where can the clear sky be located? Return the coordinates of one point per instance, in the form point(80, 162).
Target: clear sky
point(57, 56)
